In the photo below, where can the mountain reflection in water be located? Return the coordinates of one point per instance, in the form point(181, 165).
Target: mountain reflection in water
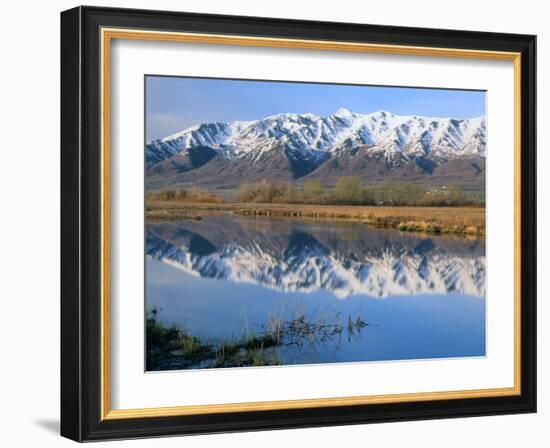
point(248, 292)
point(344, 259)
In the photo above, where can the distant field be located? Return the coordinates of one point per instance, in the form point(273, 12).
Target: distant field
point(436, 220)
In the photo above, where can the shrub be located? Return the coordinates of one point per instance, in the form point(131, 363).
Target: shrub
point(400, 193)
point(314, 189)
point(349, 190)
point(267, 192)
point(193, 194)
point(446, 196)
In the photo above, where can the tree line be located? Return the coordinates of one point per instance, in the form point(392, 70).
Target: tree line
point(349, 190)
point(192, 194)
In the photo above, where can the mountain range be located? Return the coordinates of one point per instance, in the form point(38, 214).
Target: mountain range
point(294, 147)
point(296, 257)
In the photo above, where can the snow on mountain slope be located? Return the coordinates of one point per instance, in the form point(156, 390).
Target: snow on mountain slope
point(206, 134)
point(313, 136)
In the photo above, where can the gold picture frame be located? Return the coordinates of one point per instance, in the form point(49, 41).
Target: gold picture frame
point(106, 32)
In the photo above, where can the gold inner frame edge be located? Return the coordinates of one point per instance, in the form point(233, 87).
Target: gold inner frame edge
point(107, 35)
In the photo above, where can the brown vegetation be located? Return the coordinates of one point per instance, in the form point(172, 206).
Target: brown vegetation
point(193, 194)
point(350, 191)
point(443, 220)
point(402, 206)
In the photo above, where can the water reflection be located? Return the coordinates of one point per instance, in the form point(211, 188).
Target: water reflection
point(344, 259)
point(244, 292)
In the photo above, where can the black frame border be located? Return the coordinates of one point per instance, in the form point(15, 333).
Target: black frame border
point(81, 223)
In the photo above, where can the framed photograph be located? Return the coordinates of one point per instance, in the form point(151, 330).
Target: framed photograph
point(275, 224)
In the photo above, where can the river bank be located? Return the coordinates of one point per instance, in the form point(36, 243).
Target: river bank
point(467, 221)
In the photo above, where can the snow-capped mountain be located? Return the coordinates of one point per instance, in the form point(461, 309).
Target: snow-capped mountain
point(293, 260)
point(207, 134)
point(319, 138)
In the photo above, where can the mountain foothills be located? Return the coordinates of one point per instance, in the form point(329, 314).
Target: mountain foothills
point(292, 147)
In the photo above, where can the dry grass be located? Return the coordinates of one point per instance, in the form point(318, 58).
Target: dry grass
point(444, 220)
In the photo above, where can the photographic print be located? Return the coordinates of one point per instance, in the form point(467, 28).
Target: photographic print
point(292, 223)
point(242, 232)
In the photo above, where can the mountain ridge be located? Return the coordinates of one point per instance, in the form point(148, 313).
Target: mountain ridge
point(302, 143)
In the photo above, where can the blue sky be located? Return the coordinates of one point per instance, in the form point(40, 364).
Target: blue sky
point(173, 103)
